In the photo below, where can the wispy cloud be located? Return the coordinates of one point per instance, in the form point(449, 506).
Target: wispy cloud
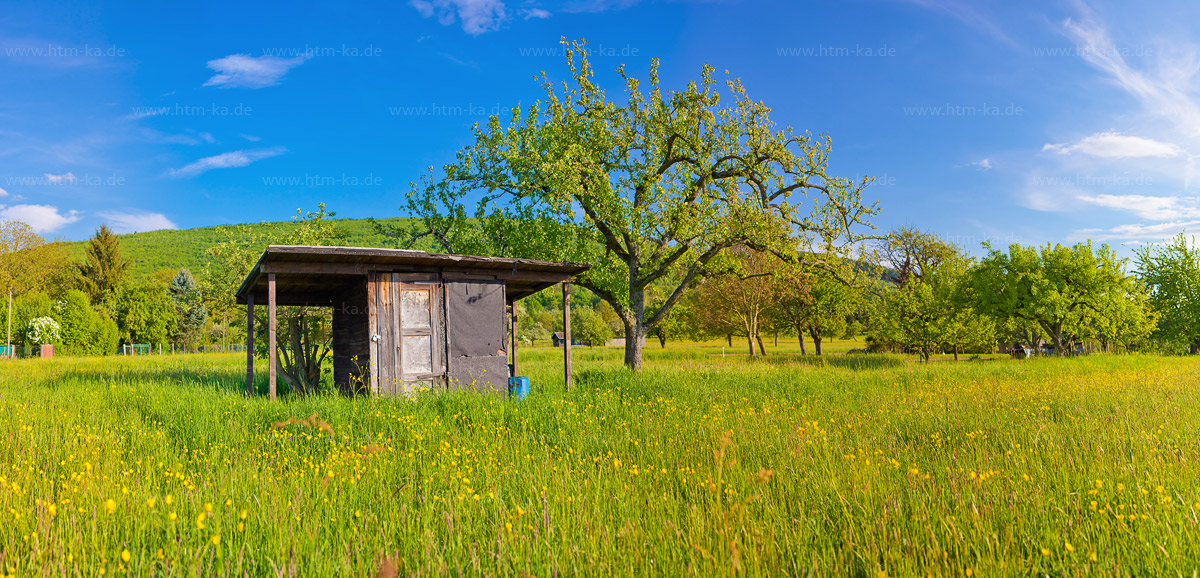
point(538, 13)
point(65, 178)
point(3, 193)
point(227, 160)
point(1138, 232)
point(983, 165)
point(1148, 207)
point(476, 16)
point(1114, 145)
point(245, 71)
point(968, 13)
point(137, 221)
point(43, 218)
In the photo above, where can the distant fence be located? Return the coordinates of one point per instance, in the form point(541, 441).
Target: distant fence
point(158, 349)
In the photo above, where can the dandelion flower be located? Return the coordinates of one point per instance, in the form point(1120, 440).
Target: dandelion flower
point(1070, 548)
point(110, 505)
point(125, 555)
point(216, 540)
point(150, 503)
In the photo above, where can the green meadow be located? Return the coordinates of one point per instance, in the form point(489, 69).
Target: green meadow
point(701, 465)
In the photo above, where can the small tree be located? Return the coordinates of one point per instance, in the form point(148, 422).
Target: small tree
point(304, 334)
point(84, 330)
point(190, 312)
point(739, 301)
point(588, 326)
point(145, 313)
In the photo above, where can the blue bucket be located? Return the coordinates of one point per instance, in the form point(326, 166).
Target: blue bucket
point(518, 387)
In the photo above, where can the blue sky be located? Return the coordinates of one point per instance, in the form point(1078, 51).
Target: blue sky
point(1010, 121)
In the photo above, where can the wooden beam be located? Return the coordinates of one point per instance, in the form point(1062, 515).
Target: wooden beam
point(566, 289)
point(250, 345)
point(272, 354)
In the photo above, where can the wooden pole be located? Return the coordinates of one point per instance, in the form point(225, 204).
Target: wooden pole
point(250, 344)
point(516, 363)
point(272, 354)
point(566, 289)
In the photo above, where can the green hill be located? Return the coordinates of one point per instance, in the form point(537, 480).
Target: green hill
point(173, 249)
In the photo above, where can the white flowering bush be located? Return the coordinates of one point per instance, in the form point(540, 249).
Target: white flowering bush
point(43, 330)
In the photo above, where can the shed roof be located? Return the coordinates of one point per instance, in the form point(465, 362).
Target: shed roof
point(308, 275)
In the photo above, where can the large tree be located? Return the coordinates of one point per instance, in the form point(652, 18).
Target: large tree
point(1071, 293)
point(652, 187)
point(103, 269)
point(26, 262)
point(1172, 273)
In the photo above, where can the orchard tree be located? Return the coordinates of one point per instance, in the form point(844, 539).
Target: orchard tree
point(934, 311)
point(651, 186)
point(818, 303)
point(910, 254)
point(739, 302)
point(1171, 272)
point(1065, 290)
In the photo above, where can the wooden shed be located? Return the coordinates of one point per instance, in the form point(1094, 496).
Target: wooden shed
point(405, 319)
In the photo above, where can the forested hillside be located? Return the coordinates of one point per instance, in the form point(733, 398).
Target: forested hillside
point(174, 249)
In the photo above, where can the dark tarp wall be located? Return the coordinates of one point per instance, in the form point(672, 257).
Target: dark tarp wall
point(478, 333)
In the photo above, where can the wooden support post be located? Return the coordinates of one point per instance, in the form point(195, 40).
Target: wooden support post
point(566, 289)
point(271, 353)
point(250, 344)
point(516, 364)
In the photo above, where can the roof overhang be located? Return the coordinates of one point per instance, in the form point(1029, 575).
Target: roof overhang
point(317, 276)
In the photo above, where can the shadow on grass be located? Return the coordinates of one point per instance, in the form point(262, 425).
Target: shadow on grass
point(855, 361)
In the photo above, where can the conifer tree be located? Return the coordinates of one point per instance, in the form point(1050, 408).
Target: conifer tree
point(103, 269)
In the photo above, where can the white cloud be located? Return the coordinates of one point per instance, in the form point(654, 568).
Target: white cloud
point(137, 222)
point(1148, 207)
point(536, 13)
point(1114, 145)
point(1137, 232)
point(250, 137)
point(43, 218)
point(225, 161)
point(3, 193)
point(207, 137)
point(983, 165)
point(245, 71)
point(477, 16)
point(60, 179)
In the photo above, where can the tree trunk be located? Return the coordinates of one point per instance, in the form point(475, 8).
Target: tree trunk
point(729, 339)
point(800, 336)
point(956, 352)
point(761, 350)
point(816, 337)
point(776, 338)
point(662, 340)
point(633, 345)
point(750, 342)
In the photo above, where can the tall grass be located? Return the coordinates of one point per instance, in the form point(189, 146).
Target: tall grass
point(699, 466)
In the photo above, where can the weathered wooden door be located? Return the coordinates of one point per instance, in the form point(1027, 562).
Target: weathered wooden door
point(407, 344)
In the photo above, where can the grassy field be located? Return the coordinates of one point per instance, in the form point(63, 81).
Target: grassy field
point(700, 465)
